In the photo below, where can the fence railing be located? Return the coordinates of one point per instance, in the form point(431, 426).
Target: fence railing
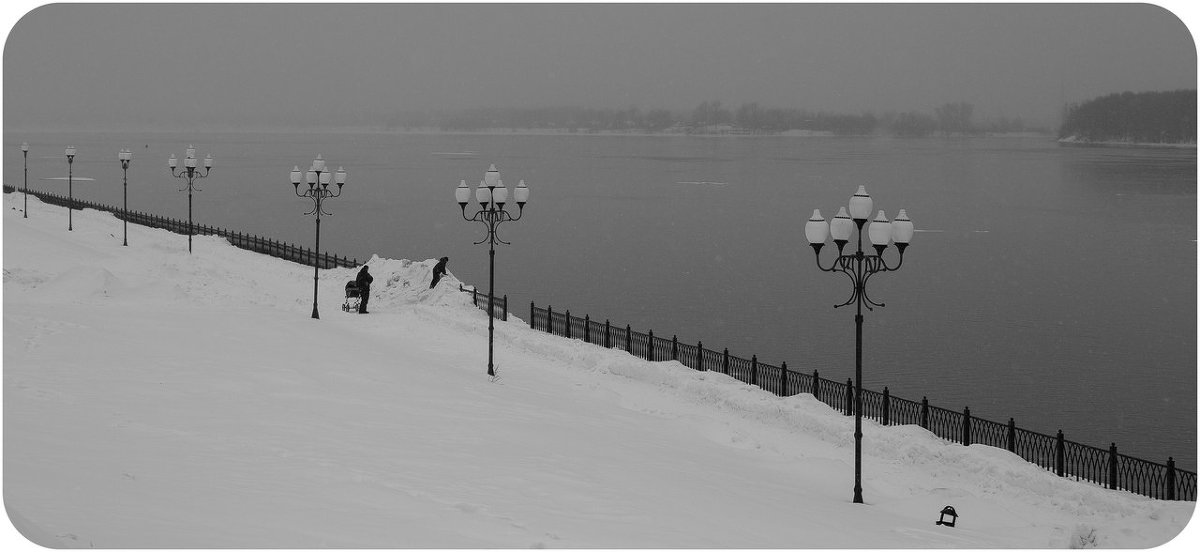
point(1065, 458)
point(252, 242)
point(480, 300)
point(1054, 453)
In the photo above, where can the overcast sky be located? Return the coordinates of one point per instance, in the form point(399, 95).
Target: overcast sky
point(93, 65)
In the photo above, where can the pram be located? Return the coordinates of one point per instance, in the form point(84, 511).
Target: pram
point(353, 299)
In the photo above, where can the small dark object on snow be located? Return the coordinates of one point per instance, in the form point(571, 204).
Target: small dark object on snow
point(948, 511)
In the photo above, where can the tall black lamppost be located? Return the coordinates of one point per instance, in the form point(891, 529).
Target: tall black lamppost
point(189, 171)
point(491, 195)
point(25, 157)
point(125, 156)
point(70, 186)
point(318, 194)
point(859, 268)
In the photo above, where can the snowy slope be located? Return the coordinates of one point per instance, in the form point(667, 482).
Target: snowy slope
point(158, 399)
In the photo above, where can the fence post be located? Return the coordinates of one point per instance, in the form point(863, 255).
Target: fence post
point(1012, 435)
point(628, 339)
point(587, 328)
point(550, 319)
point(504, 316)
point(725, 362)
point(783, 380)
point(568, 324)
point(700, 356)
point(925, 412)
point(1059, 454)
point(1112, 466)
point(816, 385)
point(650, 345)
point(475, 298)
point(674, 347)
point(1170, 478)
point(887, 396)
point(532, 310)
point(966, 434)
point(849, 396)
point(753, 369)
point(607, 334)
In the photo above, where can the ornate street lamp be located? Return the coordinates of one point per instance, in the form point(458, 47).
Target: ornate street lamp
point(189, 171)
point(491, 196)
point(126, 157)
point(25, 156)
point(859, 268)
point(318, 191)
point(70, 185)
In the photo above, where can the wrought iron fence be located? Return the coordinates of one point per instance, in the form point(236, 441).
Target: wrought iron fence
point(1106, 467)
point(252, 242)
point(480, 300)
point(1065, 458)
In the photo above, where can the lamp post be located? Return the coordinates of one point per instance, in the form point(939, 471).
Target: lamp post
point(70, 185)
point(491, 195)
point(125, 156)
point(859, 267)
point(318, 194)
point(25, 157)
point(189, 171)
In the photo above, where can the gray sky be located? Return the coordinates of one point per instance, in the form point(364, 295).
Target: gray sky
point(92, 65)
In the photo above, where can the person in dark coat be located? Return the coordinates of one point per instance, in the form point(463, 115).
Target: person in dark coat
point(363, 281)
point(438, 271)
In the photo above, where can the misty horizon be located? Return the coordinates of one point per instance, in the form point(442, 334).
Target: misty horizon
point(97, 66)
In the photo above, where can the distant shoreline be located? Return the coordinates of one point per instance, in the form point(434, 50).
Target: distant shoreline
point(1082, 142)
point(509, 132)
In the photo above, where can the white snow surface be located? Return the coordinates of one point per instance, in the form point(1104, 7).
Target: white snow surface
point(156, 399)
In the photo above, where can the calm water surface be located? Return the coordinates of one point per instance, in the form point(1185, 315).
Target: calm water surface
point(1055, 285)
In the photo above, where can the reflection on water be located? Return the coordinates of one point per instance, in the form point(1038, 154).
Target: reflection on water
point(1054, 285)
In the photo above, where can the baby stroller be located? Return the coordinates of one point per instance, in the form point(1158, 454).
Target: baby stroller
point(353, 299)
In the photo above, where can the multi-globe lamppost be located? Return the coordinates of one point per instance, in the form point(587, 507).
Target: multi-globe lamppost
point(70, 185)
point(859, 267)
point(126, 157)
point(491, 195)
point(25, 157)
point(318, 191)
point(189, 171)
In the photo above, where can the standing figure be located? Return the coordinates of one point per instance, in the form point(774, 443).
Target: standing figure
point(363, 281)
point(438, 271)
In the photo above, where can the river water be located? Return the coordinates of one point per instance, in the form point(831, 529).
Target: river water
point(1052, 284)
